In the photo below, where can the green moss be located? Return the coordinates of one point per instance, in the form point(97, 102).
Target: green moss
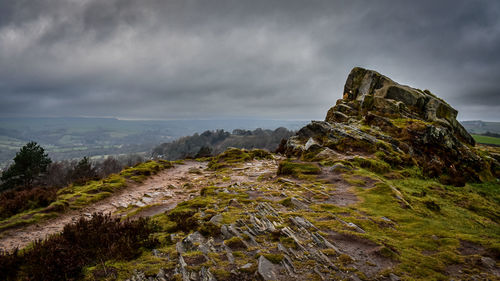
point(235, 155)
point(287, 202)
point(235, 243)
point(141, 171)
point(146, 262)
point(274, 258)
point(406, 122)
point(297, 168)
point(437, 221)
point(210, 229)
point(374, 165)
point(71, 197)
point(288, 242)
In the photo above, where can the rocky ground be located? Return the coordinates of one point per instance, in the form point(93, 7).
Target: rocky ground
point(388, 187)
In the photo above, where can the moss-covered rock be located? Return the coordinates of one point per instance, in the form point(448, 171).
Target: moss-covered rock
point(398, 125)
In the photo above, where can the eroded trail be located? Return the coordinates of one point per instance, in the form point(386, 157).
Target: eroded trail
point(162, 192)
point(157, 194)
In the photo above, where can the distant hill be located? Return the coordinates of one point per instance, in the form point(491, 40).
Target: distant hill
point(479, 127)
point(67, 138)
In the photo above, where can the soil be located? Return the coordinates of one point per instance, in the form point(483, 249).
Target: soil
point(343, 194)
point(156, 191)
point(365, 253)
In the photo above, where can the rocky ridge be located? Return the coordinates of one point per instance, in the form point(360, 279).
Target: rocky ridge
point(400, 125)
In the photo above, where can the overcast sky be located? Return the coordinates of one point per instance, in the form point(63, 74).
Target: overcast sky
point(248, 59)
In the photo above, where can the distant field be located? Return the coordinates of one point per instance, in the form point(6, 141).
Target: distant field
point(486, 139)
point(70, 138)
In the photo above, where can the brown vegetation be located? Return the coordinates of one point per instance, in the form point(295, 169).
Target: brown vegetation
point(84, 243)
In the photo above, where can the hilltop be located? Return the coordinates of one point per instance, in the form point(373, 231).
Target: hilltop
point(388, 187)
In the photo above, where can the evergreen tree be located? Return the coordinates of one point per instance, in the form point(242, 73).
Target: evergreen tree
point(83, 171)
point(29, 165)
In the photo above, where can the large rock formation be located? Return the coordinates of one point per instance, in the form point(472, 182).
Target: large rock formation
point(383, 120)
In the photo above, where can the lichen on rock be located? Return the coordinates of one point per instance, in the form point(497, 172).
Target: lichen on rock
point(398, 124)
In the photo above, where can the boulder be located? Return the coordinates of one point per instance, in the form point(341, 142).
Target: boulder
point(398, 124)
point(369, 90)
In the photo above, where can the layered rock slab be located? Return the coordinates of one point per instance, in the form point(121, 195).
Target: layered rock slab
point(398, 124)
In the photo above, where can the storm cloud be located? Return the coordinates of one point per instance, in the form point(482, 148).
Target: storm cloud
point(258, 59)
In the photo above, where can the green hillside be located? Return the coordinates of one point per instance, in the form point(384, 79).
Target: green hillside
point(486, 139)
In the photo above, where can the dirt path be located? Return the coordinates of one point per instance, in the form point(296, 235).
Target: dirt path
point(162, 191)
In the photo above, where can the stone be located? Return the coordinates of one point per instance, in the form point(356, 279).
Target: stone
point(311, 144)
point(217, 219)
point(298, 204)
point(394, 277)
point(225, 232)
point(267, 270)
point(337, 168)
point(206, 275)
point(488, 262)
point(246, 266)
point(234, 203)
point(404, 124)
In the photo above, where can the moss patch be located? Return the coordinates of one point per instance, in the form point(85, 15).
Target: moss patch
point(298, 168)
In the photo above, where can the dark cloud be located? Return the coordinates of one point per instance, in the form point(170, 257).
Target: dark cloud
point(266, 59)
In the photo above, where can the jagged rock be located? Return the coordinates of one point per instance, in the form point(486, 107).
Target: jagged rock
point(229, 253)
point(300, 221)
point(234, 203)
point(217, 219)
point(403, 125)
point(288, 232)
point(340, 168)
point(267, 270)
point(262, 225)
point(206, 275)
point(251, 238)
point(298, 204)
point(394, 277)
point(353, 226)
point(322, 242)
point(488, 262)
point(311, 144)
point(328, 153)
point(179, 247)
point(225, 232)
point(182, 268)
point(246, 266)
point(190, 242)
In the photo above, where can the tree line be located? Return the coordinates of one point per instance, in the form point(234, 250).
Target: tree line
point(211, 143)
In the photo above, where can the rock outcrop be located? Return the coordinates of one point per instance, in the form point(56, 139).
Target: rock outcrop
point(383, 120)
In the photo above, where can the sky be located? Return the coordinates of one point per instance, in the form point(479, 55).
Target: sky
point(264, 59)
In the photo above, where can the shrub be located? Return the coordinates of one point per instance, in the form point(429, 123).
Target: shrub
point(9, 265)
point(184, 219)
point(83, 243)
point(83, 172)
point(16, 201)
